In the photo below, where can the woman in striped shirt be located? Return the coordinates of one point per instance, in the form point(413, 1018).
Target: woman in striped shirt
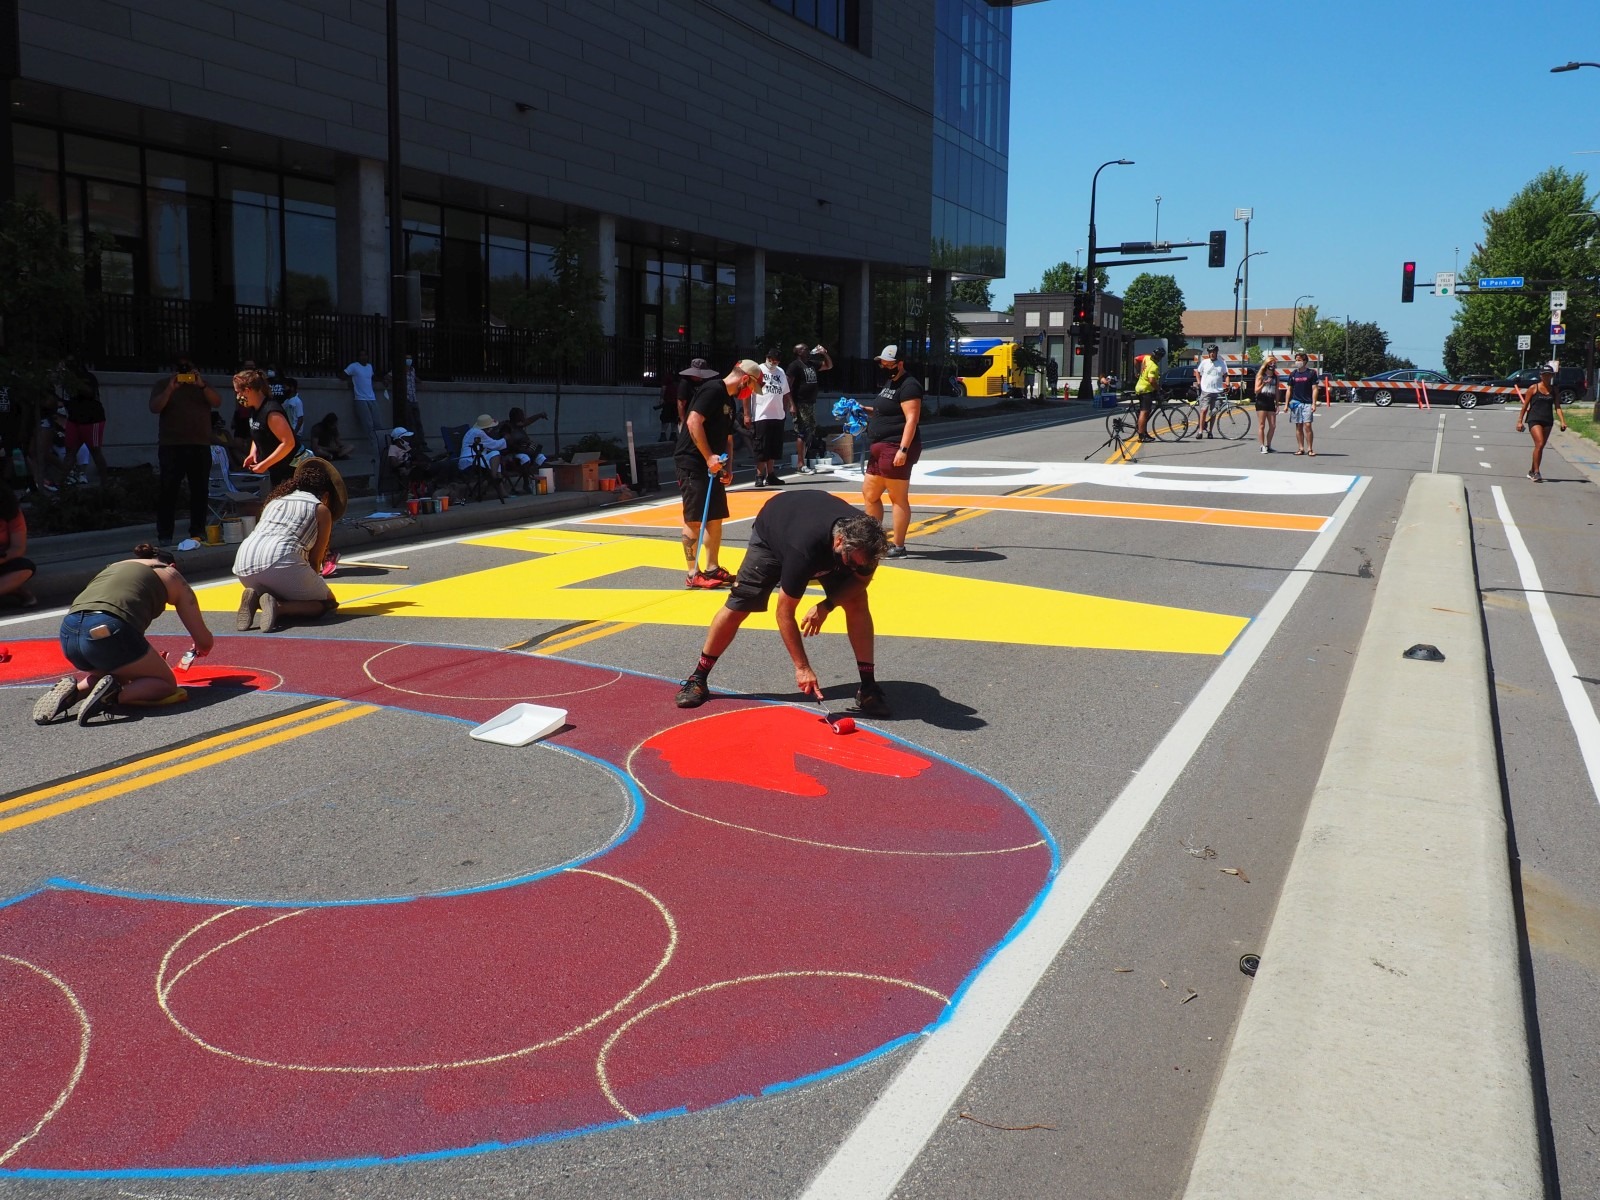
point(280, 563)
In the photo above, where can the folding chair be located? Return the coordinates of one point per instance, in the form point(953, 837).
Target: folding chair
point(475, 476)
point(225, 492)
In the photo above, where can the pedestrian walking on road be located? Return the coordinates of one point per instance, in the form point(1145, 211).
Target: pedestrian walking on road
point(803, 389)
point(895, 444)
point(800, 537)
point(704, 462)
point(1303, 405)
point(1268, 389)
point(103, 636)
point(1541, 408)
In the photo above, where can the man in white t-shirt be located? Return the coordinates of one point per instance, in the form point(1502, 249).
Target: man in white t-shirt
point(770, 404)
point(366, 402)
point(1211, 381)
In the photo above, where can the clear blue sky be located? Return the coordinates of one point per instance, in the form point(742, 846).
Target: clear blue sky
point(1362, 134)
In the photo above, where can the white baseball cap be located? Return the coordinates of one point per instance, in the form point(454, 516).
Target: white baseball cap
point(890, 353)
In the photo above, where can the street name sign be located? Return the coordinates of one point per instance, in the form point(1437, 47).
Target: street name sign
point(1499, 281)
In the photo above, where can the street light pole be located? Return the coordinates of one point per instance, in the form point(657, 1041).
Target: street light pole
point(1157, 238)
point(1085, 385)
point(1239, 272)
point(1294, 322)
point(399, 377)
point(1571, 66)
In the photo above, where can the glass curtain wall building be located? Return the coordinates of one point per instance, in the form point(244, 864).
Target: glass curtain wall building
point(971, 136)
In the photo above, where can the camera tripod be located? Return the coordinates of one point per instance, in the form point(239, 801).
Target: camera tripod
point(1122, 426)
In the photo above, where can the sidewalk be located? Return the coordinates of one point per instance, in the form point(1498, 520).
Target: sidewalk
point(67, 561)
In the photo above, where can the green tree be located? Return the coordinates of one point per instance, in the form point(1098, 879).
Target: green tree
point(1064, 278)
point(1543, 233)
point(560, 312)
point(1348, 351)
point(972, 291)
point(1153, 306)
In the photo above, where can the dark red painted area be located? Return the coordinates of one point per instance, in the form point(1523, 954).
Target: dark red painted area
point(819, 855)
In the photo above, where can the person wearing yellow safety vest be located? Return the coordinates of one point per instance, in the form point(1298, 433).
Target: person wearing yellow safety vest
point(1148, 388)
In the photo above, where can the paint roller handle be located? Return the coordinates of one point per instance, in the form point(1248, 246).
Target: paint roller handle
point(805, 679)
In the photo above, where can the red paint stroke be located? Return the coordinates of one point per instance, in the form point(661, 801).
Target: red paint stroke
point(761, 747)
point(43, 662)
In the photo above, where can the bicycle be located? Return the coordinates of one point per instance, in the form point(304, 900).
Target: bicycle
point(1231, 419)
point(1170, 419)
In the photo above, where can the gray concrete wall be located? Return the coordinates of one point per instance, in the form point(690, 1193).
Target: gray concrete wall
point(723, 117)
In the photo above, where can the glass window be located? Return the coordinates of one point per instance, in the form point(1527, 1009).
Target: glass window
point(422, 253)
point(311, 262)
point(113, 209)
point(309, 196)
point(43, 186)
point(177, 173)
point(420, 216)
point(836, 18)
point(508, 266)
point(103, 160)
point(180, 245)
point(467, 226)
point(254, 253)
point(250, 187)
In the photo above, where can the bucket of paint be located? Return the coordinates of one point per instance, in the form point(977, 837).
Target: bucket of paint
point(444, 503)
point(413, 507)
point(248, 524)
point(547, 480)
point(213, 535)
point(232, 530)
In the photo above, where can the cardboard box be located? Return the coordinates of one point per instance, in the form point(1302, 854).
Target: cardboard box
point(577, 477)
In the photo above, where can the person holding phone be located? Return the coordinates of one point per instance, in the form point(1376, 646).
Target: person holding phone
point(183, 402)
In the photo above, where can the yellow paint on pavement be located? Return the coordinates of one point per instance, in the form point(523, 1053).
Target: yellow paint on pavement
point(28, 808)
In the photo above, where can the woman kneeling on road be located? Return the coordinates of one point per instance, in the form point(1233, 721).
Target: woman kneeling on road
point(280, 563)
point(103, 636)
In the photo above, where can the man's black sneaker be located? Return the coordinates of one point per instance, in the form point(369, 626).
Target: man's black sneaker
point(104, 692)
point(693, 693)
point(895, 552)
point(871, 702)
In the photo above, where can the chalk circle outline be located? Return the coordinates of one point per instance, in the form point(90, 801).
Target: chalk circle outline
point(164, 988)
point(800, 841)
point(603, 1075)
point(85, 1036)
point(366, 669)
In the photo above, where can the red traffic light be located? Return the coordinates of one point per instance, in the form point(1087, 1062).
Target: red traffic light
point(1408, 282)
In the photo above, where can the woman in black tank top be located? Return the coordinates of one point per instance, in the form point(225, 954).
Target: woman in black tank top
point(272, 438)
point(1541, 408)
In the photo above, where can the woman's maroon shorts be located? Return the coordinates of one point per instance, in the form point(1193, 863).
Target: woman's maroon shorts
point(880, 460)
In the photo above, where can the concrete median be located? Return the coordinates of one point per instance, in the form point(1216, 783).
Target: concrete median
point(1383, 1050)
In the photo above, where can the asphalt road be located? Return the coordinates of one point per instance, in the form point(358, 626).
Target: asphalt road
point(1051, 634)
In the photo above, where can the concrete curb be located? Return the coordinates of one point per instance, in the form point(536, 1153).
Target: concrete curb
point(1383, 1051)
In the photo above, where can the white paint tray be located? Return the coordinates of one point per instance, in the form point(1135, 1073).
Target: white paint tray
point(521, 724)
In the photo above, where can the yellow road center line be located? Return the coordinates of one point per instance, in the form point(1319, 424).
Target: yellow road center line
point(178, 770)
point(23, 799)
point(580, 636)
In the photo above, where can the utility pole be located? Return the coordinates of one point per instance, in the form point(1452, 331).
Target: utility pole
point(398, 303)
point(1244, 214)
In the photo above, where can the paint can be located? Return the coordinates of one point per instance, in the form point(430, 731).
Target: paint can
point(232, 530)
point(247, 524)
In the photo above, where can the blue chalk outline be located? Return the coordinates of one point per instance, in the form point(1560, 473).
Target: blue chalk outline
point(636, 819)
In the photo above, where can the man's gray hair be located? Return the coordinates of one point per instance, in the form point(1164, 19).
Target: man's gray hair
point(861, 532)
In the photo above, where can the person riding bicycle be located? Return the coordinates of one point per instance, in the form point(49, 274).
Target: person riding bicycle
point(1211, 380)
point(1148, 390)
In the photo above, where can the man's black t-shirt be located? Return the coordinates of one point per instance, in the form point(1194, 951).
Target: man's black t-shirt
point(888, 420)
point(803, 384)
point(797, 527)
point(716, 408)
point(1302, 385)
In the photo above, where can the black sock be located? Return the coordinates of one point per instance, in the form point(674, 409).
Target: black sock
point(868, 674)
point(707, 661)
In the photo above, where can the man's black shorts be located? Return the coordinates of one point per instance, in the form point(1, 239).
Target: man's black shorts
point(693, 479)
point(1145, 400)
point(769, 439)
point(761, 571)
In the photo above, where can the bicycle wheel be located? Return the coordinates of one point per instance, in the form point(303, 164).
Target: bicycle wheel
point(1120, 423)
point(1172, 422)
point(1233, 422)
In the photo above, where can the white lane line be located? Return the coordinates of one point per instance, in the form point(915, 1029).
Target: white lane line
point(891, 1134)
point(1580, 712)
point(1484, 464)
point(1344, 418)
point(1438, 444)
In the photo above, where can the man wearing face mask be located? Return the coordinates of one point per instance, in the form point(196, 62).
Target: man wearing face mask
point(183, 402)
point(704, 462)
point(895, 445)
point(799, 538)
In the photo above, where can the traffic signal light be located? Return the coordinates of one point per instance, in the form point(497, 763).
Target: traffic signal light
point(1408, 283)
point(1082, 310)
point(1217, 256)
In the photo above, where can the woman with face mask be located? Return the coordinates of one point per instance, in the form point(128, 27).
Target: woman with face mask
point(895, 445)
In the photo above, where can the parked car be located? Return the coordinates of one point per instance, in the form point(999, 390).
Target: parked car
point(1571, 383)
point(1178, 382)
point(1384, 388)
